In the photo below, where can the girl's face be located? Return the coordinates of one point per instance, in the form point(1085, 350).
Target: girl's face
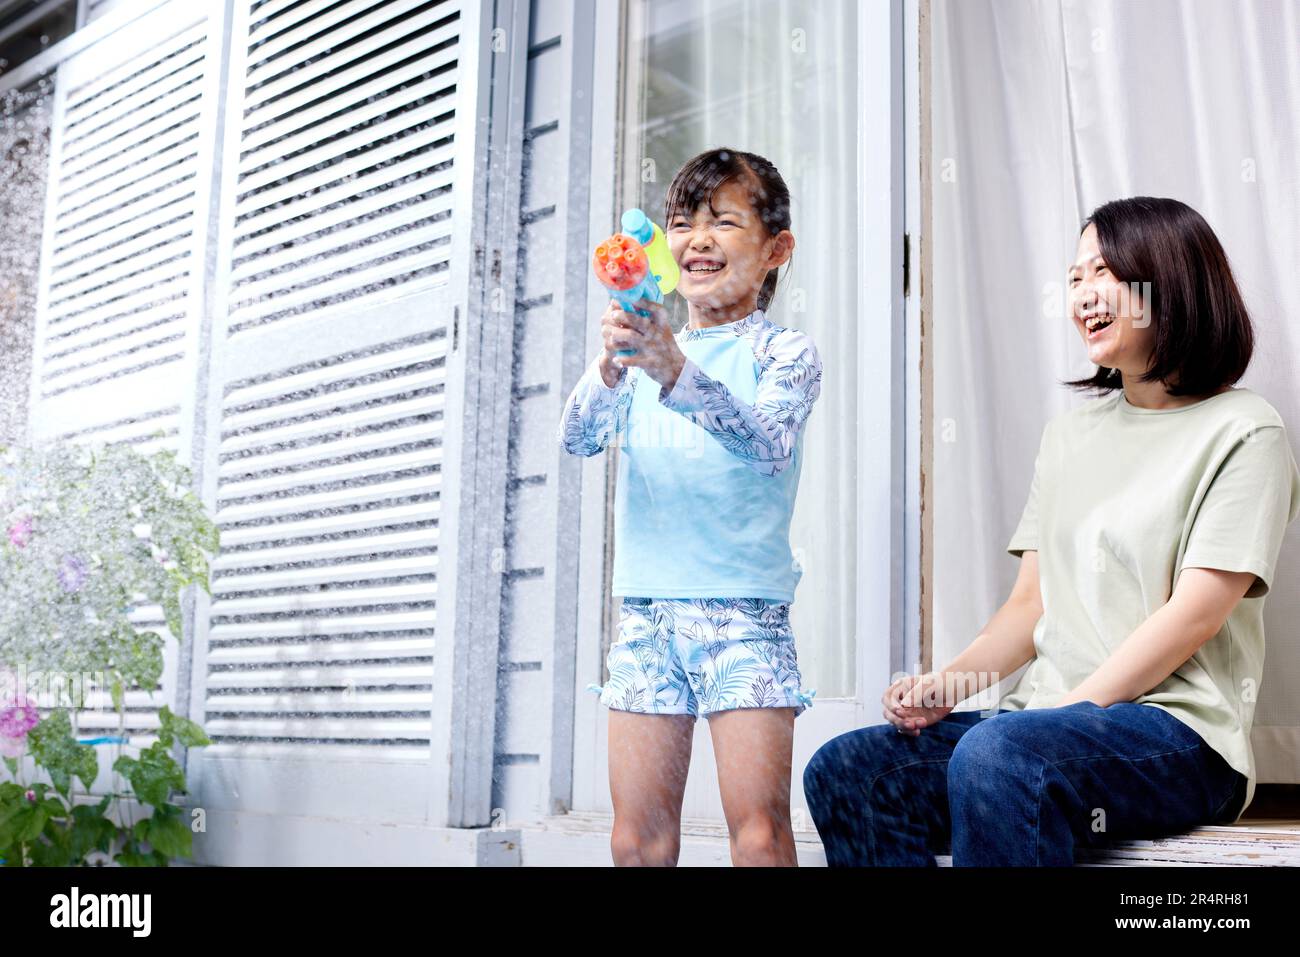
point(1110, 316)
point(724, 258)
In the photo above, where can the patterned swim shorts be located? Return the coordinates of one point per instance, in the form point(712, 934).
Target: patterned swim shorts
point(701, 655)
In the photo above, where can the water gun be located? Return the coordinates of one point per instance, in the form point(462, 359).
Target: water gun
point(636, 264)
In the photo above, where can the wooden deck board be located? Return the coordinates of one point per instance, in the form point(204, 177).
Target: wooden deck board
point(1252, 842)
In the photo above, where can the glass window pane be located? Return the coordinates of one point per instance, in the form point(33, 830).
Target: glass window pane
point(776, 78)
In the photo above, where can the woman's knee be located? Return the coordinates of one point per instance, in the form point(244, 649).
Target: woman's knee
point(853, 756)
point(980, 751)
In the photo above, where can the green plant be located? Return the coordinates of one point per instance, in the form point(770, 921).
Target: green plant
point(88, 535)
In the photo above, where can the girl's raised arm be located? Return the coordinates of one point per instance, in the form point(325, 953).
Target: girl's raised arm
point(763, 435)
point(594, 412)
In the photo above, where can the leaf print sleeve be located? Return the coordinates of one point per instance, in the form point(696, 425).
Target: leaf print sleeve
point(763, 435)
point(594, 412)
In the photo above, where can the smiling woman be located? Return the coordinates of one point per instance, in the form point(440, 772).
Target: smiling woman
point(1147, 544)
point(1154, 297)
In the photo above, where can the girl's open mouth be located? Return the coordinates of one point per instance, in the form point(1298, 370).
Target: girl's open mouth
point(700, 270)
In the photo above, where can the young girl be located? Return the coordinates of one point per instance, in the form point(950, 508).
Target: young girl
point(710, 422)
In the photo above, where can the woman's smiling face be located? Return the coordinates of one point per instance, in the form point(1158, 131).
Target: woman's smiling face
point(1111, 318)
point(725, 253)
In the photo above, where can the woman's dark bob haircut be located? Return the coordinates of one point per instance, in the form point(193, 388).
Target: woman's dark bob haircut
point(1203, 334)
point(703, 175)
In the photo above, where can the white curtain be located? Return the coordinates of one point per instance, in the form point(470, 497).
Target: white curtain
point(1042, 111)
point(776, 78)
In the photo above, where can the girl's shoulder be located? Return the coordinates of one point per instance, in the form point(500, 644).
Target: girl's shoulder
point(781, 344)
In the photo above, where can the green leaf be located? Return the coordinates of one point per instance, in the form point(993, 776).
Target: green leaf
point(55, 749)
point(145, 662)
point(21, 824)
point(174, 726)
point(172, 610)
point(167, 833)
point(153, 776)
point(91, 830)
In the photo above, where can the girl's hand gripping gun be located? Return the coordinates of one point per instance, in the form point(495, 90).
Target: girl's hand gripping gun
point(636, 264)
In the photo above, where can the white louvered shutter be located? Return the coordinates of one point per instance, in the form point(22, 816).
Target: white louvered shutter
point(122, 286)
point(349, 147)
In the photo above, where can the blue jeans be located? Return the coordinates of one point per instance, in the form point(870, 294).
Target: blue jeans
point(1017, 788)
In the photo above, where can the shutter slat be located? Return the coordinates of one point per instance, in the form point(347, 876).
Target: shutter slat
point(106, 351)
point(257, 668)
point(137, 197)
point(264, 17)
point(311, 727)
point(87, 97)
point(260, 449)
point(423, 458)
point(72, 241)
point(137, 300)
point(288, 109)
point(335, 498)
point(323, 626)
point(165, 419)
point(261, 67)
point(326, 574)
point(307, 27)
point(316, 526)
point(408, 262)
point(418, 378)
point(227, 567)
point(263, 26)
point(90, 337)
point(165, 155)
point(324, 599)
point(119, 265)
point(316, 151)
point(160, 96)
point(71, 271)
point(269, 290)
point(135, 137)
point(318, 70)
point(397, 196)
point(312, 185)
point(320, 701)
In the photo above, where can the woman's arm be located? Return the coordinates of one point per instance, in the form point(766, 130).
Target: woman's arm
point(1005, 643)
point(1002, 646)
point(594, 411)
point(1156, 649)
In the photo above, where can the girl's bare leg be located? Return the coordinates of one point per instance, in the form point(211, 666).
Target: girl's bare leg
point(649, 755)
point(753, 748)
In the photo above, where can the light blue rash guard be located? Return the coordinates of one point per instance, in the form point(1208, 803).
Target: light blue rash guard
point(708, 471)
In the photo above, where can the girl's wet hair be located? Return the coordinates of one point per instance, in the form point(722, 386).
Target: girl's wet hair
point(1203, 332)
point(702, 176)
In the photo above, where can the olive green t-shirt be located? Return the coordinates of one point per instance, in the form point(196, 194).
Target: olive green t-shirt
point(1122, 499)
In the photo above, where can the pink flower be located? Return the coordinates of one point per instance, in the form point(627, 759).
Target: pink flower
point(21, 532)
point(19, 718)
point(15, 721)
point(30, 795)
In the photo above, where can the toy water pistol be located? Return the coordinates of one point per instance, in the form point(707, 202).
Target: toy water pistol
point(636, 264)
